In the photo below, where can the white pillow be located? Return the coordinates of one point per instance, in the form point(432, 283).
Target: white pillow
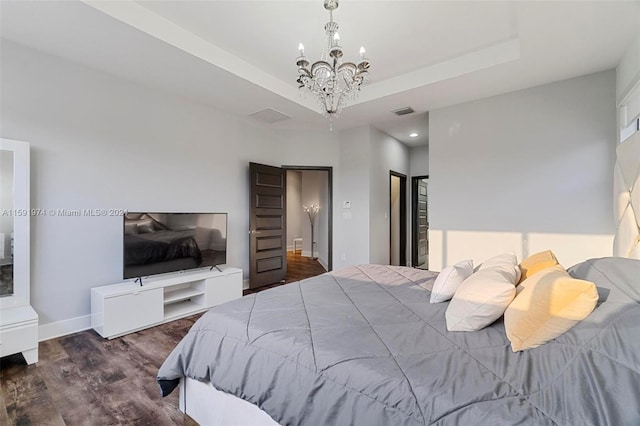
point(483, 297)
point(448, 281)
point(504, 261)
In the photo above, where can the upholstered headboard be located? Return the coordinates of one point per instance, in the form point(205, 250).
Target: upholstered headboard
point(626, 207)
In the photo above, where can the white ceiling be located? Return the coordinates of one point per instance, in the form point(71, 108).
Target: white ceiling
point(239, 56)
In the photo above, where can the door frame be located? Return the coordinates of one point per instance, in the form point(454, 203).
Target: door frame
point(329, 171)
point(403, 217)
point(414, 219)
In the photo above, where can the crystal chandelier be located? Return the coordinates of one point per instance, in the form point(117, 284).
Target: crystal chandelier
point(330, 80)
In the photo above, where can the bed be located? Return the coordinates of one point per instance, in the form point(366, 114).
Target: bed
point(363, 345)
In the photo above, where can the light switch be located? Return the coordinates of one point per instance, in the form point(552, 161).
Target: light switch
point(346, 204)
point(346, 215)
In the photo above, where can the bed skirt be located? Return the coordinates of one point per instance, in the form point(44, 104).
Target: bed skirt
point(209, 406)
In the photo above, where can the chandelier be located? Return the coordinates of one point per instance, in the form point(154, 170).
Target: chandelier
point(330, 80)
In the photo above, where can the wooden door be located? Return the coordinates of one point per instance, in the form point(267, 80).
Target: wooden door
point(421, 224)
point(267, 225)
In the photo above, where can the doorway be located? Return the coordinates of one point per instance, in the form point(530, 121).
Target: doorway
point(420, 228)
point(309, 199)
point(272, 204)
point(397, 219)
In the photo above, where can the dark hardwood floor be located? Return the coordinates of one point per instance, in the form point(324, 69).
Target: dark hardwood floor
point(83, 379)
point(298, 268)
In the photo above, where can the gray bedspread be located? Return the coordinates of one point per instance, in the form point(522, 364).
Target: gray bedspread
point(363, 346)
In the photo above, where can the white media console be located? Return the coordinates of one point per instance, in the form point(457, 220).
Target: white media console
point(125, 307)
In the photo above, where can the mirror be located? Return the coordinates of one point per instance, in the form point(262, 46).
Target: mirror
point(6, 222)
point(15, 221)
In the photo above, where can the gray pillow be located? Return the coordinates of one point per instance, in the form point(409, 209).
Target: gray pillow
point(130, 228)
point(145, 227)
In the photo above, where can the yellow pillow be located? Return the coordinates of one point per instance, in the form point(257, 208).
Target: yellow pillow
point(535, 263)
point(547, 305)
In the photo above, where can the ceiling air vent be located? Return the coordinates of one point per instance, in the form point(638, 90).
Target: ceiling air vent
point(269, 116)
point(404, 111)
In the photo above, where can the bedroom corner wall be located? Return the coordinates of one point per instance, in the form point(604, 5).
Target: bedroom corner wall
point(387, 154)
point(366, 156)
point(98, 141)
point(524, 172)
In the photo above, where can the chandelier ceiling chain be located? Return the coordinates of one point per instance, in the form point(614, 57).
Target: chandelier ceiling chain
point(330, 80)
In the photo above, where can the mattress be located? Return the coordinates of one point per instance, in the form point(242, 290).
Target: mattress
point(363, 345)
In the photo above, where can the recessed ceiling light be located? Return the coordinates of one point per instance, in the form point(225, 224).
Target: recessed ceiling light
point(413, 135)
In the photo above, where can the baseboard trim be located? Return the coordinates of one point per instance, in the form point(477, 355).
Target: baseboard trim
point(320, 260)
point(324, 264)
point(63, 328)
point(245, 284)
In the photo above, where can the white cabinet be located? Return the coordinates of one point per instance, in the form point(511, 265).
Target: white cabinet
point(132, 311)
point(19, 333)
point(126, 307)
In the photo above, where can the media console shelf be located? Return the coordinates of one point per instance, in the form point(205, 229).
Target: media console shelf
point(125, 307)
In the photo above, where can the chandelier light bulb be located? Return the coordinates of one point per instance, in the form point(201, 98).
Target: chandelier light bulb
point(301, 49)
point(362, 52)
point(336, 38)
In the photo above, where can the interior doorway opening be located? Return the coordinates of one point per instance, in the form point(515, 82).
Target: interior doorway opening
point(309, 221)
point(397, 219)
point(276, 198)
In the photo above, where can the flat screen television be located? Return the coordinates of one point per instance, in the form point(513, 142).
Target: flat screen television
point(157, 243)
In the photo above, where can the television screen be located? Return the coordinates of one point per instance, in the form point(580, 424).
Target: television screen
point(156, 243)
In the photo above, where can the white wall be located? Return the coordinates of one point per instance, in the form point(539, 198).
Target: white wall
point(351, 226)
point(419, 160)
point(526, 171)
point(98, 141)
point(294, 206)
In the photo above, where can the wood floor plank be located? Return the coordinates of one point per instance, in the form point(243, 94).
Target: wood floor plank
point(26, 397)
point(75, 394)
point(50, 351)
point(298, 268)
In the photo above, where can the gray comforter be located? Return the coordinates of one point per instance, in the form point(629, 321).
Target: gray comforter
point(363, 346)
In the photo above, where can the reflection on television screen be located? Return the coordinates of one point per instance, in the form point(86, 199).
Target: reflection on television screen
point(157, 243)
